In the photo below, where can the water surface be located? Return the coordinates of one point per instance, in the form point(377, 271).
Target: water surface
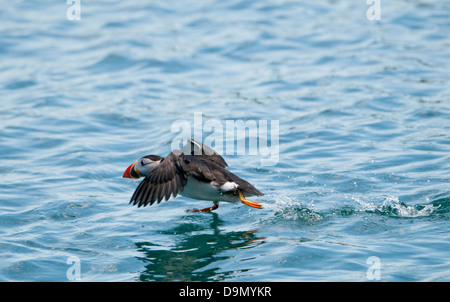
point(363, 169)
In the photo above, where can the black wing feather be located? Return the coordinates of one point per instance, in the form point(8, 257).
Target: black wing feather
point(170, 178)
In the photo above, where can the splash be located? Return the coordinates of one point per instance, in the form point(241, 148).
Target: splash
point(392, 206)
point(293, 210)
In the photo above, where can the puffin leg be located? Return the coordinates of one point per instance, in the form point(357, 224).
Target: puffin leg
point(248, 202)
point(208, 209)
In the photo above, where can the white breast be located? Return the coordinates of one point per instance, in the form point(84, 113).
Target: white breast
point(209, 191)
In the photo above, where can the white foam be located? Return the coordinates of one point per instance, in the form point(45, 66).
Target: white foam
point(393, 206)
point(291, 209)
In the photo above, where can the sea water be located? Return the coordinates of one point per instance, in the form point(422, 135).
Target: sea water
point(360, 187)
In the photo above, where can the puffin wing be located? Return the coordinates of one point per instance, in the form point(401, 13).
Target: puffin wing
point(170, 178)
point(203, 152)
point(243, 185)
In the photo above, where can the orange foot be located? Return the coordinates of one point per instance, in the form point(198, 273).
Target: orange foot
point(248, 202)
point(208, 209)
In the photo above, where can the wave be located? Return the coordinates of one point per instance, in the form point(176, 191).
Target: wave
point(289, 209)
point(392, 206)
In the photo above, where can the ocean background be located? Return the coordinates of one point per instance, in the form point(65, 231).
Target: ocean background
point(361, 187)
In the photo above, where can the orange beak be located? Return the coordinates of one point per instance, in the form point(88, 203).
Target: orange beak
point(131, 172)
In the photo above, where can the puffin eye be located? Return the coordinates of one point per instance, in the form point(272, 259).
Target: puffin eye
point(142, 162)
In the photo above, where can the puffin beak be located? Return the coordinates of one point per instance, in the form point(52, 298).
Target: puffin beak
point(131, 172)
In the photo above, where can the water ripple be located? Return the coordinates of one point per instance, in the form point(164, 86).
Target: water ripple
point(363, 109)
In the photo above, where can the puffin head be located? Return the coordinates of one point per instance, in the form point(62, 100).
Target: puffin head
point(142, 166)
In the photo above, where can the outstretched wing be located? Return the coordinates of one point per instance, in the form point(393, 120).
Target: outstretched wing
point(170, 178)
point(203, 152)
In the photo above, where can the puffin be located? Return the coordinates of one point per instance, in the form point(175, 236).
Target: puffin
point(196, 171)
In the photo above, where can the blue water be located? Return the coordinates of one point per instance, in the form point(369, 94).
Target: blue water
point(364, 139)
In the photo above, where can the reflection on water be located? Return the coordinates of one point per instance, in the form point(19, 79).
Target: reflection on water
point(194, 252)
